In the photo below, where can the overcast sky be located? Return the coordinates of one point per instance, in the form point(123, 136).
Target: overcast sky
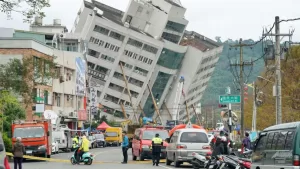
point(226, 18)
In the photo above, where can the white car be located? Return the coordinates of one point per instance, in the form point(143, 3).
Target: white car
point(55, 147)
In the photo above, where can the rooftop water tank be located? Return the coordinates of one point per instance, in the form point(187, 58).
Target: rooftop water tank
point(57, 22)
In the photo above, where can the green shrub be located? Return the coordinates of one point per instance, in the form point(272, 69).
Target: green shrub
point(7, 142)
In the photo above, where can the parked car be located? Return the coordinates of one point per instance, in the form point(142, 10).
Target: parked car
point(55, 148)
point(92, 140)
point(3, 160)
point(184, 142)
point(278, 147)
point(100, 140)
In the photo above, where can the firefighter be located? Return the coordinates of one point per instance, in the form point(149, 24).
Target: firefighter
point(157, 143)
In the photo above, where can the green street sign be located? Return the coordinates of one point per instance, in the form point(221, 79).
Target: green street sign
point(39, 99)
point(229, 99)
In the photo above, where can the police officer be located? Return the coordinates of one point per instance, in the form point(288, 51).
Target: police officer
point(156, 149)
point(75, 141)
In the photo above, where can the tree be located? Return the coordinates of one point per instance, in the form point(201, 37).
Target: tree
point(11, 110)
point(34, 8)
point(266, 113)
point(22, 76)
point(103, 119)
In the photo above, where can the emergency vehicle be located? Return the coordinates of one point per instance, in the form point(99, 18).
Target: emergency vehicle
point(142, 141)
point(36, 136)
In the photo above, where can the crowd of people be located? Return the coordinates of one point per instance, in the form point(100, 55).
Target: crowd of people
point(223, 145)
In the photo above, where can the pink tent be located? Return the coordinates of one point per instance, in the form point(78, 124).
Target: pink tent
point(103, 126)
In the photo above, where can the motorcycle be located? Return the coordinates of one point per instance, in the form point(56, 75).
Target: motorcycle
point(234, 162)
point(87, 158)
point(198, 160)
point(213, 163)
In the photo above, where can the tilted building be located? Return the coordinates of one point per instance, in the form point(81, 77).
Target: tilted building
point(150, 41)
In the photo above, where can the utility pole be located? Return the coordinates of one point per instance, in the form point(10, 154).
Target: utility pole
point(278, 71)
point(241, 65)
point(254, 107)
point(278, 68)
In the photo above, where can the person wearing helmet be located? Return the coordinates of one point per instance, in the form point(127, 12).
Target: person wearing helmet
point(84, 148)
point(218, 148)
point(157, 143)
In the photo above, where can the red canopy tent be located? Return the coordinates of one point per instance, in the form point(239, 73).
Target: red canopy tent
point(103, 126)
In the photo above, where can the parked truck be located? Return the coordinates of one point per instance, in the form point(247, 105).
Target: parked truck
point(36, 136)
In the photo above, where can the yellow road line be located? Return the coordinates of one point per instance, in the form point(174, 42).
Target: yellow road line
point(68, 161)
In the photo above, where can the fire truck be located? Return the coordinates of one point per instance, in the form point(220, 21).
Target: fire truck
point(36, 136)
point(142, 140)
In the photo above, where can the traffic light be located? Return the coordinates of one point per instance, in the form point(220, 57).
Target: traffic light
point(222, 105)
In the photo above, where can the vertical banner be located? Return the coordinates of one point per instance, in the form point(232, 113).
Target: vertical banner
point(93, 101)
point(80, 77)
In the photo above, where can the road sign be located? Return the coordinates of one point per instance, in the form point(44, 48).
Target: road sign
point(229, 99)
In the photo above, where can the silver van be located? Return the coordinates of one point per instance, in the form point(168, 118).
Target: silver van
point(183, 143)
point(278, 147)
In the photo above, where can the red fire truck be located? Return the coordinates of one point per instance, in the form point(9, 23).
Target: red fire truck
point(142, 141)
point(36, 136)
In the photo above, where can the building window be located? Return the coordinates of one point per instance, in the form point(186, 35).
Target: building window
point(170, 59)
point(101, 43)
point(92, 39)
point(171, 37)
point(117, 36)
point(71, 47)
point(140, 71)
point(101, 30)
point(134, 56)
point(107, 45)
point(150, 61)
point(117, 49)
point(134, 43)
point(112, 47)
point(141, 58)
point(126, 65)
point(145, 60)
point(128, 19)
point(173, 26)
point(91, 65)
point(96, 41)
point(105, 57)
point(150, 49)
point(93, 53)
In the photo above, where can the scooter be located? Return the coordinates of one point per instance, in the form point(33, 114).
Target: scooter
point(87, 158)
point(234, 162)
point(198, 160)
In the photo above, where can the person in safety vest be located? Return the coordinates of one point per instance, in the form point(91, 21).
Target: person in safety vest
point(75, 141)
point(157, 143)
point(84, 148)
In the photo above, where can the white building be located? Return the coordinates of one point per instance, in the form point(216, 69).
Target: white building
point(145, 40)
point(62, 99)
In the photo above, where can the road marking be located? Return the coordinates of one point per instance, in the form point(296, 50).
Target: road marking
point(104, 152)
point(94, 162)
point(164, 166)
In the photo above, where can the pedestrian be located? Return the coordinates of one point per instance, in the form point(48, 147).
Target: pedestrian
point(18, 151)
point(157, 143)
point(218, 148)
point(247, 142)
point(125, 146)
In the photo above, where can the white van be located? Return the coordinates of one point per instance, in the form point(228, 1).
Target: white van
point(63, 139)
point(184, 142)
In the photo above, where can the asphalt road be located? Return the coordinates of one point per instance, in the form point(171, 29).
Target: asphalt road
point(109, 157)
